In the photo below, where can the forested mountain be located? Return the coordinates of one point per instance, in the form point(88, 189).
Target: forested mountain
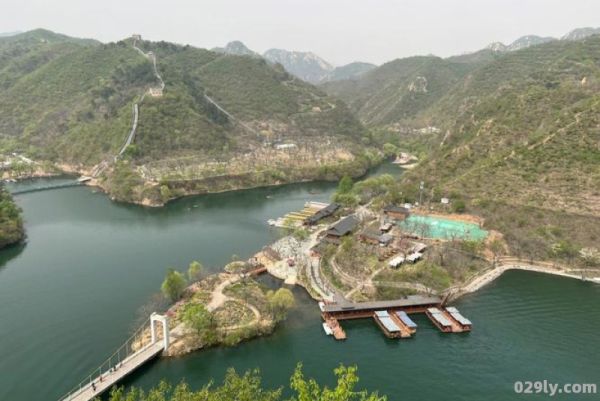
point(525, 128)
point(349, 71)
point(520, 126)
point(400, 89)
point(514, 136)
point(70, 101)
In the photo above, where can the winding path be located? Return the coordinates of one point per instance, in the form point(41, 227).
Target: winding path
point(218, 299)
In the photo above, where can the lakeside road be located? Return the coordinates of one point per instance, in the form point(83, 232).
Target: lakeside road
point(539, 267)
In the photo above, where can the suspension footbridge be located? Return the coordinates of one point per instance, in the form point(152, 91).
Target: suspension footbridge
point(134, 353)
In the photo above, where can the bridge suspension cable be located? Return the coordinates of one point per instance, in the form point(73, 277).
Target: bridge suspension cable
point(139, 342)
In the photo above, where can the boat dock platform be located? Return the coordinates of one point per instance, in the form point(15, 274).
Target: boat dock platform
point(297, 219)
point(389, 326)
point(393, 316)
point(332, 328)
point(449, 320)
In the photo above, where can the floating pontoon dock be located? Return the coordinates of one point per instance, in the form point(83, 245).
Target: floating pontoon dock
point(460, 319)
point(443, 321)
point(405, 322)
point(389, 327)
point(297, 219)
point(333, 313)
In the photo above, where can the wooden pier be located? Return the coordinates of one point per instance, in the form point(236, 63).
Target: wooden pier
point(396, 324)
point(336, 312)
point(336, 328)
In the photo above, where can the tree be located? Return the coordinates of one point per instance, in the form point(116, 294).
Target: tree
point(309, 390)
point(590, 256)
point(248, 387)
point(345, 185)
point(280, 302)
point(497, 248)
point(201, 320)
point(345, 199)
point(347, 244)
point(389, 149)
point(173, 285)
point(195, 271)
point(459, 206)
point(165, 193)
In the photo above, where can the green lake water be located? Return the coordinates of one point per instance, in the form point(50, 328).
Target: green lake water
point(70, 296)
point(439, 227)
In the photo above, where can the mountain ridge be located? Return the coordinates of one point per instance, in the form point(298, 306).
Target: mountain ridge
point(219, 116)
point(304, 65)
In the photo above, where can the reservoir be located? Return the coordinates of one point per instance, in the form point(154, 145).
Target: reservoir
point(72, 295)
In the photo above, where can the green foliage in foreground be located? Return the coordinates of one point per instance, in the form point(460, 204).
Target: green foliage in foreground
point(248, 387)
point(11, 222)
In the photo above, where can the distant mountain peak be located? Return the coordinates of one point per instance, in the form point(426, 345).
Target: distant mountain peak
point(497, 47)
point(521, 43)
point(532, 40)
point(527, 41)
point(305, 65)
point(237, 48)
point(581, 33)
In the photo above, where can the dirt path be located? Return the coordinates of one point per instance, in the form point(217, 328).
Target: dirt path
point(217, 297)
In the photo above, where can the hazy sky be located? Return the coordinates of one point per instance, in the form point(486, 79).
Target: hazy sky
point(337, 30)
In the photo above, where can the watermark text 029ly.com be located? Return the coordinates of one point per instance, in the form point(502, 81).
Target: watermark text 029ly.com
point(552, 389)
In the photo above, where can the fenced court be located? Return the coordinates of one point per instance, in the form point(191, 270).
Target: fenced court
point(441, 228)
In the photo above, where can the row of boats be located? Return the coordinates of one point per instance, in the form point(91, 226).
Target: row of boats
point(398, 324)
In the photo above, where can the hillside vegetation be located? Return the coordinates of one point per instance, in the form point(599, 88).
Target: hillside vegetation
point(397, 91)
point(516, 138)
point(11, 222)
point(219, 115)
point(524, 128)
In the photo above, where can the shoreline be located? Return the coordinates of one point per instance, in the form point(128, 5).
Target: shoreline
point(482, 280)
point(69, 170)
